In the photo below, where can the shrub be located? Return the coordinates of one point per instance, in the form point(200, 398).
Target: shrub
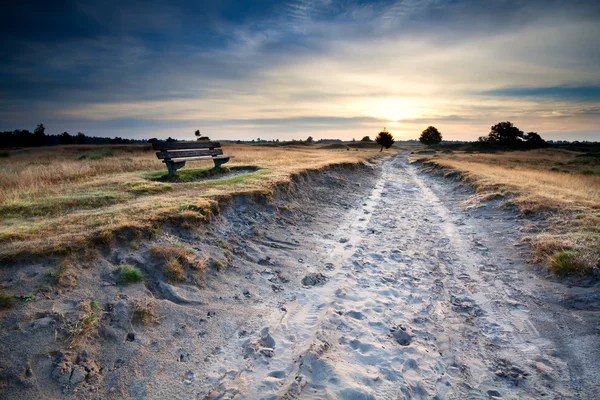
point(130, 274)
point(568, 262)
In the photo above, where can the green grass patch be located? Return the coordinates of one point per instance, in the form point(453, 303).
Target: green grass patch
point(568, 262)
point(591, 172)
point(196, 174)
point(96, 155)
point(6, 301)
point(130, 274)
point(140, 188)
point(56, 205)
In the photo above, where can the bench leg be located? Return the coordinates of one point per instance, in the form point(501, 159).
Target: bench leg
point(220, 161)
point(174, 166)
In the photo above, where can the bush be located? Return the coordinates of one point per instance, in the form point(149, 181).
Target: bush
point(130, 274)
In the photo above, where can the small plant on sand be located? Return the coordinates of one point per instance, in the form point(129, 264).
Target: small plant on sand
point(174, 270)
point(143, 313)
point(28, 298)
point(130, 274)
point(219, 265)
point(568, 262)
point(5, 300)
point(86, 322)
point(177, 257)
point(62, 276)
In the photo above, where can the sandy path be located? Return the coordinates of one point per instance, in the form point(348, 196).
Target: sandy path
point(416, 305)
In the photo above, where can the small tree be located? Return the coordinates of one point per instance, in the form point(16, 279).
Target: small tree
point(504, 132)
point(366, 139)
point(430, 136)
point(309, 139)
point(384, 139)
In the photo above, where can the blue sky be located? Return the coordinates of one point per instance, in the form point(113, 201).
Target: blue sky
point(328, 69)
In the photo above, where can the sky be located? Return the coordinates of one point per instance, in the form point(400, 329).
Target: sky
point(292, 69)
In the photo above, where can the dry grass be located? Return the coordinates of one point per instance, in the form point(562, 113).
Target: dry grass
point(144, 312)
point(88, 319)
point(62, 198)
point(176, 258)
point(553, 180)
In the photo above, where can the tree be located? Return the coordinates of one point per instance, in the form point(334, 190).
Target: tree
point(170, 139)
point(534, 138)
point(366, 139)
point(80, 138)
point(39, 136)
point(384, 139)
point(65, 138)
point(309, 139)
point(430, 136)
point(503, 132)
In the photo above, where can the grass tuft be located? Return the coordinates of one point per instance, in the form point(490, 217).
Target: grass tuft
point(219, 265)
point(130, 274)
point(6, 301)
point(174, 270)
point(568, 262)
point(144, 313)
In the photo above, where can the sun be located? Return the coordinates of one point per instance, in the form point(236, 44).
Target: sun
point(391, 109)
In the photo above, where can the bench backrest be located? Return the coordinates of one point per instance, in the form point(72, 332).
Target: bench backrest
point(197, 148)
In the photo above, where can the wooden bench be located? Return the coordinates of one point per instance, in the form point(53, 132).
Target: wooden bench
point(175, 154)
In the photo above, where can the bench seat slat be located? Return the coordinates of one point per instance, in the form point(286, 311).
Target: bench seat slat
point(197, 144)
point(188, 153)
point(199, 158)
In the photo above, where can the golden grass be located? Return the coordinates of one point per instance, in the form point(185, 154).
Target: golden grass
point(531, 182)
point(57, 199)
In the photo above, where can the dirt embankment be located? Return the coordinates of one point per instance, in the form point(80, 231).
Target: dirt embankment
point(86, 329)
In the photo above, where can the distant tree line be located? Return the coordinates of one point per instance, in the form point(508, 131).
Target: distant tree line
point(37, 138)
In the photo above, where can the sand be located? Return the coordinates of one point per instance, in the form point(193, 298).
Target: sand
point(369, 283)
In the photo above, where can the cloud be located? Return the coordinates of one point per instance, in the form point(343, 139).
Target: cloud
point(314, 67)
point(577, 93)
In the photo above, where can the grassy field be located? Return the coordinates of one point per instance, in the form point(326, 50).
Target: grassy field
point(57, 199)
point(563, 184)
